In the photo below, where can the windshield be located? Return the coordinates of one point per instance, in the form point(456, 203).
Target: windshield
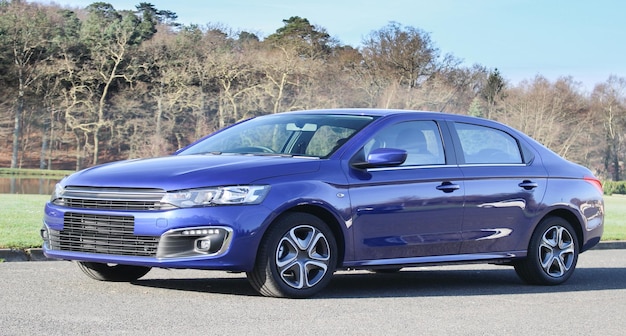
point(314, 135)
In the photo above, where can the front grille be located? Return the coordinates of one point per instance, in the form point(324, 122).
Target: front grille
point(102, 234)
point(120, 199)
point(111, 204)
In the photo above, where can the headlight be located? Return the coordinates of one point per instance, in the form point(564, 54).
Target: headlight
point(57, 193)
point(217, 196)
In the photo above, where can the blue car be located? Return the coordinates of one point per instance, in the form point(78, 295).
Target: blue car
point(290, 198)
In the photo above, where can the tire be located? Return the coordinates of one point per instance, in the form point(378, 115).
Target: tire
point(116, 273)
point(296, 259)
point(552, 253)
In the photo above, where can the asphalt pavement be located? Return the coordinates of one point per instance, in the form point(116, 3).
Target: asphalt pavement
point(56, 298)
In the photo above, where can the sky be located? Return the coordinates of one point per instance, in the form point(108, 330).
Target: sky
point(584, 39)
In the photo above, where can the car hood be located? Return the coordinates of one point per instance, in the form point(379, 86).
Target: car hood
point(190, 171)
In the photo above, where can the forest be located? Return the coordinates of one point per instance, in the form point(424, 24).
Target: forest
point(84, 86)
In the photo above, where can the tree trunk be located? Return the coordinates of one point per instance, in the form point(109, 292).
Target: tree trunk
point(44, 148)
point(16, 134)
point(17, 129)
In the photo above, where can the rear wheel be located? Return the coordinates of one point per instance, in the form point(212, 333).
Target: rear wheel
point(112, 272)
point(296, 259)
point(552, 253)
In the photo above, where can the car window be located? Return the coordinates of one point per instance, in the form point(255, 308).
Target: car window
point(315, 135)
point(272, 137)
point(487, 145)
point(327, 139)
point(420, 139)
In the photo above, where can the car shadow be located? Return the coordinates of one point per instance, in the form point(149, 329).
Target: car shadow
point(412, 282)
point(230, 285)
point(442, 282)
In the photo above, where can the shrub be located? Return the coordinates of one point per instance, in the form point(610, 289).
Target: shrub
point(614, 187)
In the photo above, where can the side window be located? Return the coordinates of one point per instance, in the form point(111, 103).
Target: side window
point(487, 145)
point(420, 139)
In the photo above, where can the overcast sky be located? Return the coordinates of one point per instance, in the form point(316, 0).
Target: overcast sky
point(553, 38)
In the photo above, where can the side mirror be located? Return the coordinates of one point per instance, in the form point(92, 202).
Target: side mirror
point(382, 157)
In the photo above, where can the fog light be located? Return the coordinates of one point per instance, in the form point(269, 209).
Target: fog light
point(194, 242)
point(203, 245)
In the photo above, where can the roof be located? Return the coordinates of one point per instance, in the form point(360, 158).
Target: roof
point(364, 111)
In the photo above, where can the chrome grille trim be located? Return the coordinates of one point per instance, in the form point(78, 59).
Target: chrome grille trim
point(113, 198)
point(102, 234)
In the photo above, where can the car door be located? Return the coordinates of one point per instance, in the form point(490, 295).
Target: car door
point(410, 210)
point(504, 186)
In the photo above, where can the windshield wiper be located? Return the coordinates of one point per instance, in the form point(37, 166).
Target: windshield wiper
point(287, 155)
point(267, 154)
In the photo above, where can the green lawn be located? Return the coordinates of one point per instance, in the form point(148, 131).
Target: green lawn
point(615, 218)
point(20, 219)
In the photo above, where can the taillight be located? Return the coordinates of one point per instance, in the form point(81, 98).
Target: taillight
point(595, 182)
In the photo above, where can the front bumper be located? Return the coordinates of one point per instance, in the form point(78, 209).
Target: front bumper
point(220, 238)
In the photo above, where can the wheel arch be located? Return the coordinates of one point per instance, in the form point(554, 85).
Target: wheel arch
point(327, 217)
point(571, 218)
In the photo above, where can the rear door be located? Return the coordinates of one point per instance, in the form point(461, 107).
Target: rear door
point(504, 187)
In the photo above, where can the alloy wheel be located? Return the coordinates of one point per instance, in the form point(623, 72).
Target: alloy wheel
point(556, 251)
point(302, 257)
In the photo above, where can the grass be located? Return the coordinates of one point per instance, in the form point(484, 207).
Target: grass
point(21, 216)
point(20, 220)
point(615, 218)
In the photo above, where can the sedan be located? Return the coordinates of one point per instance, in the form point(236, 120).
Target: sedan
point(290, 198)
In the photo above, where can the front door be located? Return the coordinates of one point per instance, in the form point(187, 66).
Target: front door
point(412, 210)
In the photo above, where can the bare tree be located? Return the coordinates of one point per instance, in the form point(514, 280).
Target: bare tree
point(109, 35)
point(609, 104)
point(280, 68)
point(555, 114)
point(26, 30)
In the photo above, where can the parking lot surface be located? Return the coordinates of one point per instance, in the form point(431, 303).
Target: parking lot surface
point(55, 298)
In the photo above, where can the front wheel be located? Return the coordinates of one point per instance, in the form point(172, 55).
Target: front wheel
point(108, 272)
point(552, 253)
point(296, 259)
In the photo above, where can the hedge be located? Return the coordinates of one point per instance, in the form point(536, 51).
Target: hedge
point(614, 187)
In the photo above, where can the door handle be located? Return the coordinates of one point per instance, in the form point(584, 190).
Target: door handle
point(528, 185)
point(448, 187)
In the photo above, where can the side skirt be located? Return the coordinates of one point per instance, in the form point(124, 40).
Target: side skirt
point(480, 258)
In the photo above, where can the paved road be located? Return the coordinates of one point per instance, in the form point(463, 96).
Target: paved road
point(54, 298)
